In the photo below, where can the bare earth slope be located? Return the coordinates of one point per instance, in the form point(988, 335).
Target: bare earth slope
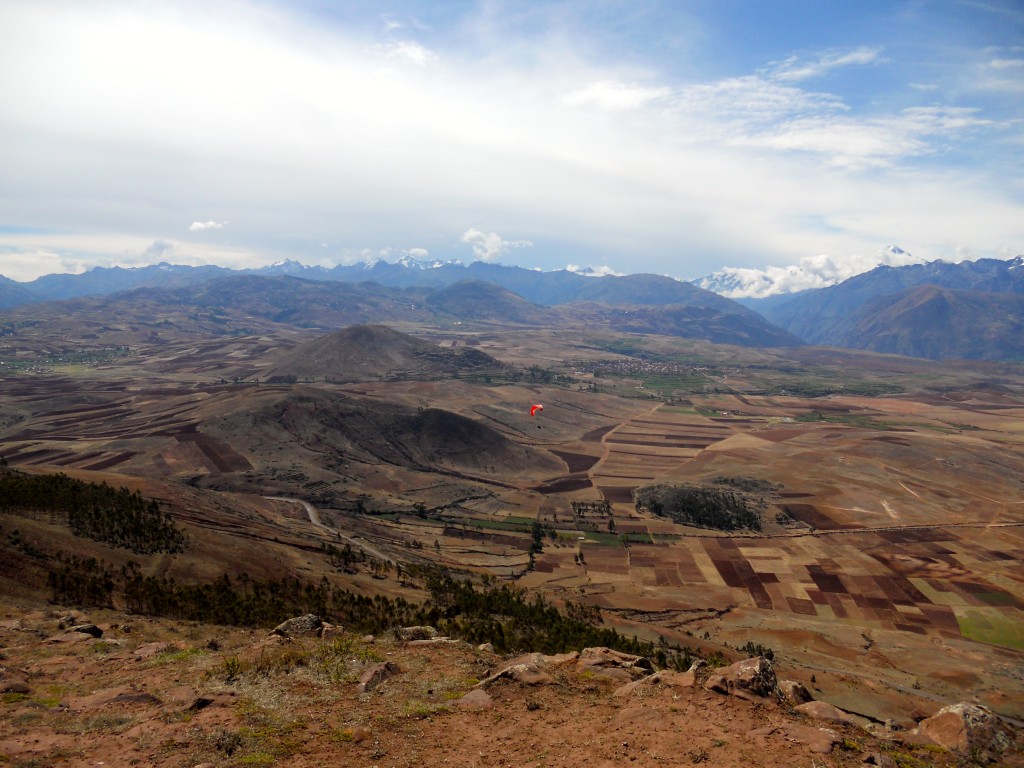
point(160, 693)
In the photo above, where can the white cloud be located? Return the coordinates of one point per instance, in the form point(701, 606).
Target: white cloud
point(202, 226)
point(601, 271)
point(818, 271)
point(303, 133)
point(412, 52)
point(489, 247)
point(752, 99)
point(26, 257)
point(1015, 64)
point(793, 69)
point(610, 95)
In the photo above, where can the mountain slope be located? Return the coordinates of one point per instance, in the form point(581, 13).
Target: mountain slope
point(102, 281)
point(937, 323)
point(745, 329)
point(482, 301)
point(13, 294)
point(812, 315)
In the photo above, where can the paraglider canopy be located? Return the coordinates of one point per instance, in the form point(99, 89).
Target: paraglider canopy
point(535, 408)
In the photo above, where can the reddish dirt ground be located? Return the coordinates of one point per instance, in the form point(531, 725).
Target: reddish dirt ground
point(161, 693)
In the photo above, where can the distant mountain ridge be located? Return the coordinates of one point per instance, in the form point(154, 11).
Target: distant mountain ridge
point(538, 287)
point(876, 310)
point(968, 312)
point(241, 304)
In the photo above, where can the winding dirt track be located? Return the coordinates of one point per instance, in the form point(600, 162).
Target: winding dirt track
point(314, 518)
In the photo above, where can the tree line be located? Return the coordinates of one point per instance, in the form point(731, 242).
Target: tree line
point(502, 615)
point(97, 511)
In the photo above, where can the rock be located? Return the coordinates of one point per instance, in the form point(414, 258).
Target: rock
point(614, 664)
point(969, 729)
point(149, 650)
point(476, 699)
point(416, 633)
point(14, 681)
point(716, 684)
point(135, 697)
point(485, 648)
point(329, 632)
point(88, 629)
point(664, 679)
point(437, 641)
point(300, 626)
point(376, 675)
point(820, 740)
point(180, 694)
point(822, 710)
point(369, 639)
point(880, 759)
point(531, 669)
point(794, 693)
point(750, 679)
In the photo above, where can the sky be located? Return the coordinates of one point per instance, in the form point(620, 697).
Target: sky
point(797, 138)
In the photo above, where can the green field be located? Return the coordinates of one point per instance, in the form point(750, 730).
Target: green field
point(992, 625)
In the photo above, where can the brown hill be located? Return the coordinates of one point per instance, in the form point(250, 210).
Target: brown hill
point(348, 429)
point(375, 352)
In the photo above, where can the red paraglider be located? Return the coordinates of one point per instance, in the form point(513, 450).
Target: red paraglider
point(535, 408)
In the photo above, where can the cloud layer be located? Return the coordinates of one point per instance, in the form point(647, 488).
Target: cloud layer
point(655, 138)
point(812, 272)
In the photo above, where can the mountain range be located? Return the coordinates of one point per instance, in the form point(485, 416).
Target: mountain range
point(939, 310)
point(970, 310)
point(186, 298)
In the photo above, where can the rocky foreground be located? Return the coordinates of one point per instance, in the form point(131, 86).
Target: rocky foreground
point(117, 690)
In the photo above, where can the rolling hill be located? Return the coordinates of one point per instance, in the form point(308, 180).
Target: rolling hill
point(374, 352)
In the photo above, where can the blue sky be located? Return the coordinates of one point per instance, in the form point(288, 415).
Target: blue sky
point(794, 138)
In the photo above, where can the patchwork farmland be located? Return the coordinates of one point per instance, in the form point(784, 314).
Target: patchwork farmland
point(892, 527)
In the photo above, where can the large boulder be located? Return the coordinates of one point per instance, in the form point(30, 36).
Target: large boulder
point(750, 679)
point(532, 669)
point(614, 664)
point(309, 625)
point(416, 633)
point(822, 710)
point(88, 629)
point(666, 678)
point(969, 729)
point(794, 693)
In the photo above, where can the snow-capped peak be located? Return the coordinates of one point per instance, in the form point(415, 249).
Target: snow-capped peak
point(411, 262)
point(591, 271)
point(812, 272)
